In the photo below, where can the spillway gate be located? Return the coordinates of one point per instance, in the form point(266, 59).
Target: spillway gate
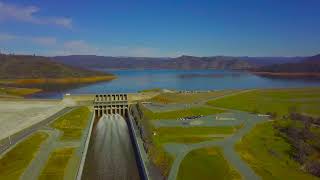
point(111, 104)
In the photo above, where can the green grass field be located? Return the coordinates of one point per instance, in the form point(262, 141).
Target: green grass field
point(167, 98)
point(181, 113)
point(304, 100)
point(73, 123)
point(164, 135)
point(268, 154)
point(206, 163)
point(56, 165)
point(14, 162)
point(192, 134)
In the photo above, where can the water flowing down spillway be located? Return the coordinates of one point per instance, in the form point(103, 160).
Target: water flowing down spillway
point(110, 154)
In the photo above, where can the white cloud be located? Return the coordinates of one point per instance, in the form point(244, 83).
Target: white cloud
point(53, 47)
point(44, 41)
point(27, 14)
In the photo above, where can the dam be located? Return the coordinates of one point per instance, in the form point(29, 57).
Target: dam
point(111, 153)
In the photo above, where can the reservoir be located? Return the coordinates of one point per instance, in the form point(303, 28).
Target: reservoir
point(129, 81)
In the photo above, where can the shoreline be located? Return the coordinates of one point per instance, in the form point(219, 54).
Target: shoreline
point(66, 80)
point(25, 87)
point(288, 74)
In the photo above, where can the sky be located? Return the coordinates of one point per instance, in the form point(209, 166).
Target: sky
point(160, 28)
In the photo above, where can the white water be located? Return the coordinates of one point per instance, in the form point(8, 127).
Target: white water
point(110, 153)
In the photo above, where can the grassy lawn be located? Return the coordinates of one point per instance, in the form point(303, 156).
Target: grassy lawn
point(13, 163)
point(305, 100)
point(73, 123)
point(206, 163)
point(17, 91)
point(268, 154)
point(167, 98)
point(181, 113)
point(192, 134)
point(56, 165)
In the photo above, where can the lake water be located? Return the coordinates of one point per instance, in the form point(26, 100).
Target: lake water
point(136, 80)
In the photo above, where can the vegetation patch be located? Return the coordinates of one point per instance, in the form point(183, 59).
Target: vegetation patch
point(280, 101)
point(268, 154)
point(187, 98)
point(194, 111)
point(303, 134)
point(56, 165)
point(12, 91)
point(151, 90)
point(206, 163)
point(73, 123)
point(14, 162)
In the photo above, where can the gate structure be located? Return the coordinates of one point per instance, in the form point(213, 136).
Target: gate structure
point(111, 104)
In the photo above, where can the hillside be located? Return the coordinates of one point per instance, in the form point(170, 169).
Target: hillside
point(17, 67)
point(182, 62)
point(25, 70)
point(267, 61)
point(310, 67)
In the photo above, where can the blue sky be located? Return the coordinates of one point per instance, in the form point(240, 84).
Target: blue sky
point(161, 27)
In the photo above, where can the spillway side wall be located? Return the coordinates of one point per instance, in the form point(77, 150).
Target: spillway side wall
point(140, 163)
point(85, 150)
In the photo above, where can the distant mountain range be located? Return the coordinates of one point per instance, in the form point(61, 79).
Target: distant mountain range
point(308, 65)
point(265, 61)
point(182, 62)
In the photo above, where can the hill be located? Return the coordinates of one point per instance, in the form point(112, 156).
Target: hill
point(315, 60)
point(20, 70)
point(266, 61)
point(310, 67)
point(182, 62)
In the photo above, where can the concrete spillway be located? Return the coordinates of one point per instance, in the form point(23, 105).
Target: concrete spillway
point(110, 154)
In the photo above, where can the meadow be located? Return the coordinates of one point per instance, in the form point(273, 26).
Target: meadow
point(15, 161)
point(56, 164)
point(73, 123)
point(206, 163)
point(280, 101)
point(268, 154)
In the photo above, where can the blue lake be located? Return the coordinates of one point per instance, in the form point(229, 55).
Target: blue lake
point(136, 80)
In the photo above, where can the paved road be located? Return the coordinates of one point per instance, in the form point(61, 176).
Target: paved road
point(14, 139)
point(227, 145)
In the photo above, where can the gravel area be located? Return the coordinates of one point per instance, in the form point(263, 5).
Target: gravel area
point(17, 115)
